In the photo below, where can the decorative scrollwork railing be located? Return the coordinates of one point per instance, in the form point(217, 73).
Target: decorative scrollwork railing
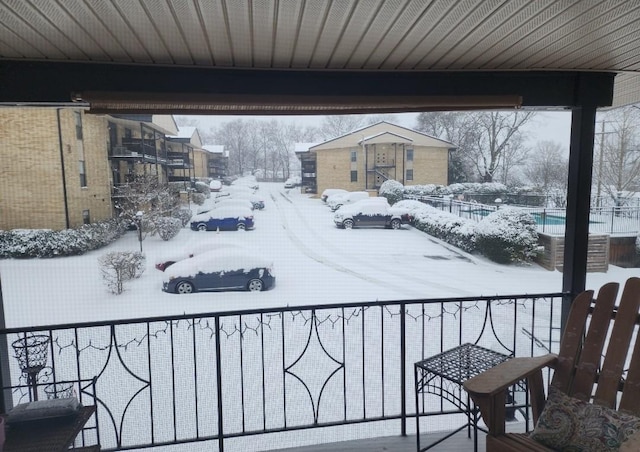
point(211, 377)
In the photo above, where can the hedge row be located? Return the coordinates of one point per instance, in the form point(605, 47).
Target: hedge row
point(25, 243)
point(504, 236)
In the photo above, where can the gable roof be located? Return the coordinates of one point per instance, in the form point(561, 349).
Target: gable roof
point(214, 148)
point(189, 135)
point(380, 132)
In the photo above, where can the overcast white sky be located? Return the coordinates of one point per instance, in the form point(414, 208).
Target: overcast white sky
point(548, 126)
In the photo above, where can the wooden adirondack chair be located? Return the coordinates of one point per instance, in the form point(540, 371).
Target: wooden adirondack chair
point(577, 368)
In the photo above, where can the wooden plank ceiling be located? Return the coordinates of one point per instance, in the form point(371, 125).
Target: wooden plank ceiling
point(339, 35)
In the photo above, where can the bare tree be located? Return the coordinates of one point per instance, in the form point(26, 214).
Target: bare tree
point(238, 137)
point(483, 139)
point(514, 158)
point(620, 171)
point(186, 121)
point(338, 125)
point(146, 194)
point(494, 131)
point(456, 128)
point(547, 170)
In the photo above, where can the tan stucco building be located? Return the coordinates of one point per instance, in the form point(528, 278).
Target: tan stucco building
point(365, 158)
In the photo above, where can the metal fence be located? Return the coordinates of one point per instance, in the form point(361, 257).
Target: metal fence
point(621, 220)
point(236, 378)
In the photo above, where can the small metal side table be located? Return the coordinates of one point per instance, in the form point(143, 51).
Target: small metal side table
point(444, 374)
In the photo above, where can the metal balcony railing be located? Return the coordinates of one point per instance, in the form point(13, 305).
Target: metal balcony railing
point(230, 376)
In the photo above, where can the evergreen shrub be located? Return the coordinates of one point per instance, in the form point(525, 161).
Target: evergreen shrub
point(508, 235)
point(27, 243)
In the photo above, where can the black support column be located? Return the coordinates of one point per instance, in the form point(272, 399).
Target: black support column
point(578, 204)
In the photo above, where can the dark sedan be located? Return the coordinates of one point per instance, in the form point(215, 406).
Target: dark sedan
point(370, 215)
point(229, 218)
point(218, 271)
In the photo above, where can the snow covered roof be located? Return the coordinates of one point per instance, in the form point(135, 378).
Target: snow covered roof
point(384, 137)
point(394, 134)
point(189, 134)
point(303, 147)
point(184, 132)
point(214, 148)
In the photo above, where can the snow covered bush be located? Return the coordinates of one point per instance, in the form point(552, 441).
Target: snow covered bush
point(168, 227)
point(494, 188)
point(392, 190)
point(117, 267)
point(183, 214)
point(451, 228)
point(425, 190)
point(198, 198)
point(203, 188)
point(27, 243)
point(508, 235)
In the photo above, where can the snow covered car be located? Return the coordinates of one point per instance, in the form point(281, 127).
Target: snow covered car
point(370, 215)
point(233, 201)
point(337, 201)
point(215, 185)
point(256, 201)
point(330, 192)
point(228, 218)
point(219, 270)
point(289, 184)
point(173, 254)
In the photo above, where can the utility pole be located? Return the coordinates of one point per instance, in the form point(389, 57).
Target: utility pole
point(600, 162)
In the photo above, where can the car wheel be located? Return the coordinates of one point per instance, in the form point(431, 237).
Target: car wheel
point(255, 285)
point(348, 224)
point(395, 224)
point(184, 287)
point(202, 227)
point(241, 227)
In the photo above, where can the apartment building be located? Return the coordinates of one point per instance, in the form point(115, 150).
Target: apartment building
point(61, 165)
point(218, 161)
point(365, 158)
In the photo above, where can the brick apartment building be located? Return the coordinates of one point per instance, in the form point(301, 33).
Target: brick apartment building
point(218, 161)
point(365, 158)
point(61, 165)
point(55, 171)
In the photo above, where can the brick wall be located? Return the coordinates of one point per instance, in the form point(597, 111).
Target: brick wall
point(430, 166)
point(31, 183)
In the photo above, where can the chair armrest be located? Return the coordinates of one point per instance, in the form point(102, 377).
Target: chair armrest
point(488, 390)
point(500, 377)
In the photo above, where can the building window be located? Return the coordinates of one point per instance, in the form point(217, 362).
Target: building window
point(409, 174)
point(409, 155)
point(83, 173)
point(354, 176)
point(86, 217)
point(128, 133)
point(78, 125)
point(354, 156)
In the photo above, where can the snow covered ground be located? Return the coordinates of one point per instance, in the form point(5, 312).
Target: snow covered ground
point(314, 263)
point(344, 365)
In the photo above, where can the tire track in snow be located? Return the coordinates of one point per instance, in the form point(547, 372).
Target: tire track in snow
point(386, 269)
point(331, 264)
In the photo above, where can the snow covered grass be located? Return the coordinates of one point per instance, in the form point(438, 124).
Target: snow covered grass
point(316, 263)
point(266, 356)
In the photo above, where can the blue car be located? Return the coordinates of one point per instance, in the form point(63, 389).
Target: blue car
point(228, 218)
point(219, 270)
